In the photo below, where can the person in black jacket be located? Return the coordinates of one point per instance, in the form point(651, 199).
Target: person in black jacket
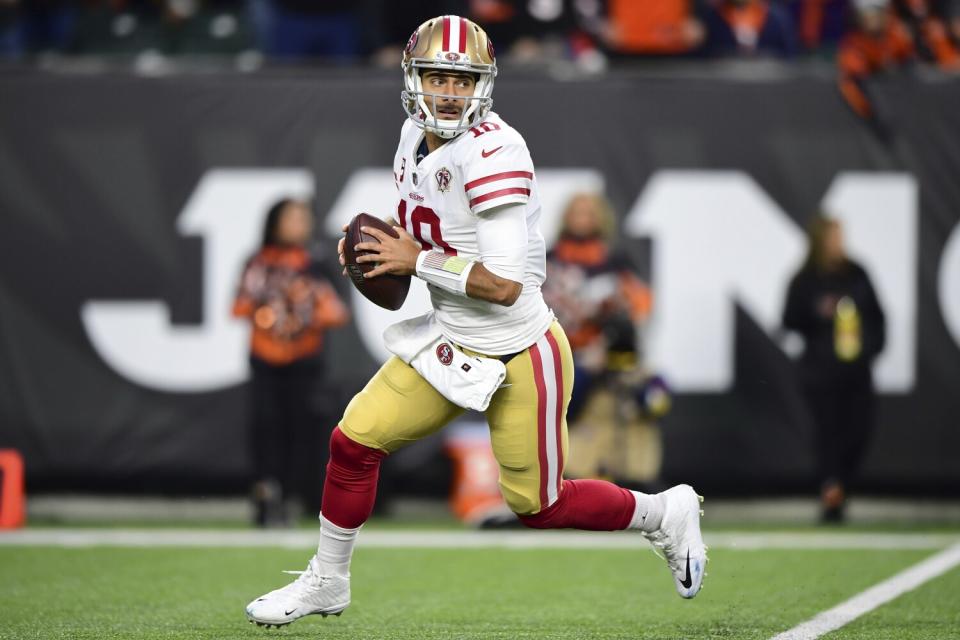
point(832, 304)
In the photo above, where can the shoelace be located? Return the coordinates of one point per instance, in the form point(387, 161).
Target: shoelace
point(310, 575)
point(658, 540)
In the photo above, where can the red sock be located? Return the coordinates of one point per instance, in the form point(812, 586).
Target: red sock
point(351, 485)
point(594, 505)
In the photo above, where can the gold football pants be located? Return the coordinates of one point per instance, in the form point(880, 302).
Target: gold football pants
point(527, 417)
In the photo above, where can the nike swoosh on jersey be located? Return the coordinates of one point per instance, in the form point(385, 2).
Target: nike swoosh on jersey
point(487, 154)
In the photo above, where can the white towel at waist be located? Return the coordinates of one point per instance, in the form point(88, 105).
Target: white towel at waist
point(468, 381)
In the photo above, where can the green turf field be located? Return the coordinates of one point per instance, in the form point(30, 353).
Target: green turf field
point(105, 592)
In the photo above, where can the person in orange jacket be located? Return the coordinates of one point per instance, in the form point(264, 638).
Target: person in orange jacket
point(880, 42)
point(930, 32)
point(594, 292)
point(289, 304)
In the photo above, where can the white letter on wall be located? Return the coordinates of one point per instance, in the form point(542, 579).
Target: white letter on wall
point(719, 238)
point(949, 288)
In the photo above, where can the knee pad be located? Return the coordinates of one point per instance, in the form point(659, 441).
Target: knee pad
point(347, 455)
point(351, 484)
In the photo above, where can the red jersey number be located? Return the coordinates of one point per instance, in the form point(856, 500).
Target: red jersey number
point(419, 217)
point(484, 127)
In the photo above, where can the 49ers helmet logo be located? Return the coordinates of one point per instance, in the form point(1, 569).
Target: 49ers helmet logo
point(412, 42)
point(444, 353)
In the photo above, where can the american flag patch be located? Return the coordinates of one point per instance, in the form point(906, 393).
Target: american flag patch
point(444, 262)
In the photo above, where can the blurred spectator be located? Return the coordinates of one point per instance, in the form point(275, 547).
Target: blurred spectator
point(388, 28)
point(289, 304)
point(523, 30)
point(594, 293)
point(295, 29)
point(11, 42)
point(666, 27)
point(930, 33)
point(821, 24)
point(749, 28)
point(952, 16)
point(878, 43)
point(601, 303)
point(36, 26)
point(204, 27)
point(155, 27)
point(832, 304)
point(535, 30)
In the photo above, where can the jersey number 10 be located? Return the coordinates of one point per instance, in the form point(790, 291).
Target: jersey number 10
point(419, 217)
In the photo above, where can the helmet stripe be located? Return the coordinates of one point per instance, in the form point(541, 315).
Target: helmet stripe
point(463, 35)
point(446, 34)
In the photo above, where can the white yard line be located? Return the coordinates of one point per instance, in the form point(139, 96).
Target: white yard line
point(875, 596)
point(746, 541)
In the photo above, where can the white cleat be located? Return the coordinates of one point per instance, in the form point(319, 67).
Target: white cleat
point(679, 539)
point(309, 594)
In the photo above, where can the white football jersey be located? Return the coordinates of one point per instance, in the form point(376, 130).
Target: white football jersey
point(440, 199)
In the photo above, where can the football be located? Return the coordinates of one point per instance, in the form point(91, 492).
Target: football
point(388, 290)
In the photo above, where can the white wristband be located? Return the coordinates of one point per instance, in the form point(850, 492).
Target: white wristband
point(445, 271)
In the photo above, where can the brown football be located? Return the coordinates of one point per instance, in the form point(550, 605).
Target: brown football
point(387, 291)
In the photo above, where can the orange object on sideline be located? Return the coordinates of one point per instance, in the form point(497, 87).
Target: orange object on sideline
point(12, 512)
point(475, 492)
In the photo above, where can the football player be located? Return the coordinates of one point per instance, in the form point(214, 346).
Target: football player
point(468, 223)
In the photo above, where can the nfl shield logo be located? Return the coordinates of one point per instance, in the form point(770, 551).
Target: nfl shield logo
point(443, 180)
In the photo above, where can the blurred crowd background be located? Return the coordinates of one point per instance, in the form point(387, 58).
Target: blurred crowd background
point(864, 37)
point(591, 32)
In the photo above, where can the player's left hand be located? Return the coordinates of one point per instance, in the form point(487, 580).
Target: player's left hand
point(394, 255)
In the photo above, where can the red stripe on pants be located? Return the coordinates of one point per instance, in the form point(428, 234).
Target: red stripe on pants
point(541, 421)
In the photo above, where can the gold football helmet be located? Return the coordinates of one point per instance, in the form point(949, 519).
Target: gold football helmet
point(450, 43)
